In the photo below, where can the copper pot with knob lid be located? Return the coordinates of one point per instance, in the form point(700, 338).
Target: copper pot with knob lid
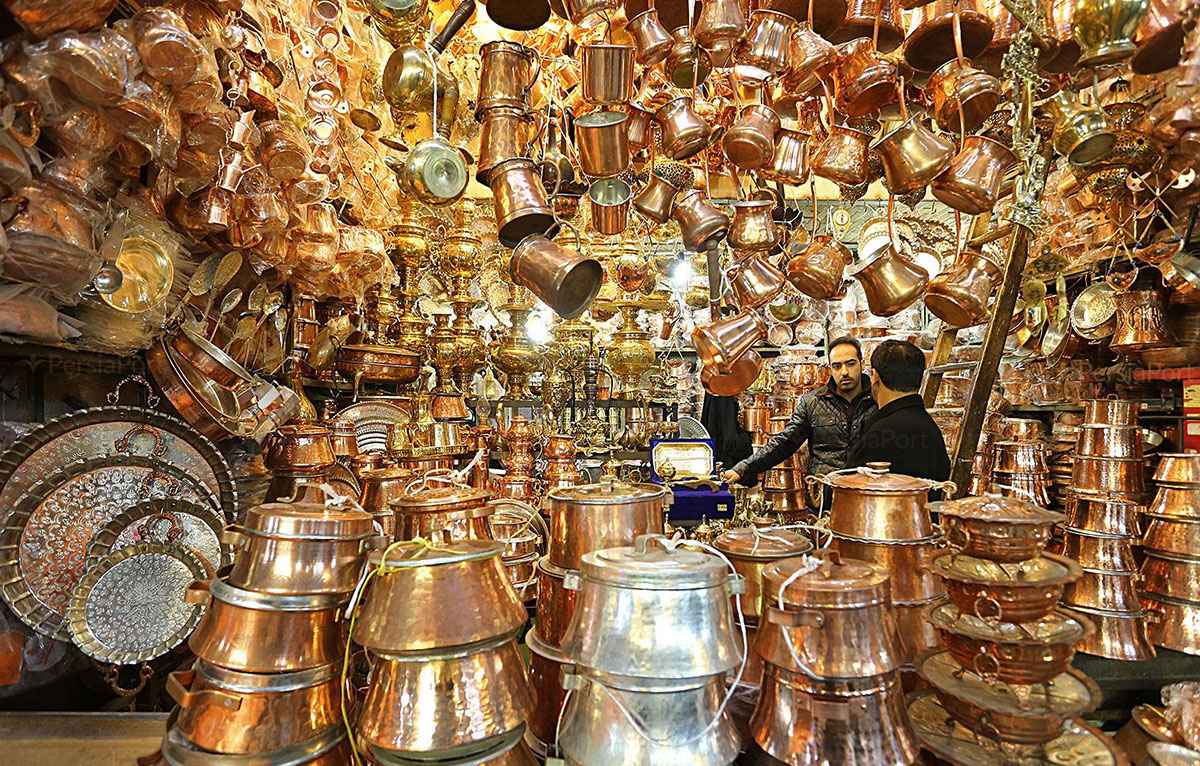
point(879, 505)
point(751, 549)
point(608, 514)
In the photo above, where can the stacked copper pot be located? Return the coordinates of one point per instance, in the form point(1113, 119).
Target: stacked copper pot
point(653, 640)
point(783, 485)
point(1170, 582)
point(441, 512)
point(380, 486)
point(449, 685)
point(1021, 468)
point(1004, 674)
point(300, 457)
point(831, 690)
point(882, 518)
point(267, 676)
point(1107, 483)
point(756, 417)
point(583, 519)
point(523, 532)
point(1064, 435)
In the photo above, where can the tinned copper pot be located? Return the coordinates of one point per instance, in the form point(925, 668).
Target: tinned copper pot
point(1109, 477)
point(602, 140)
point(556, 604)
point(1115, 591)
point(1171, 575)
point(300, 447)
point(701, 223)
point(1176, 535)
point(818, 271)
point(522, 208)
point(545, 677)
point(442, 514)
point(1121, 635)
point(996, 528)
point(379, 487)
point(751, 550)
point(1183, 502)
point(684, 131)
point(971, 183)
point(590, 517)
point(608, 199)
point(913, 155)
point(1178, 469)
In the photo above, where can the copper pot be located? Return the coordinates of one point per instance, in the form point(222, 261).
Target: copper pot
point(565, 280)
point(879, 506)
point(1024, 592)
point(590, 517)
point(469, 574)
point(1119, 635)
point(1111, 412)
point(506, 132)
point(1178, 535)
point(754, 282)
point(224, 711)
point(811, 57)
point(960, 297)
point(860, 22)
point(866, 81)
point(701, 223)
point(684, 131)
point(442, 514)
point(789, 160)
point(305, 630)
point(641, 127)
point(996, 528)
point(842, 156)
point(1100, 551)
point(687, 64)
point(1159, 38)
point(1110, 477)
point(971, 183)
point(1141, 324)
point(749, 143)
point(913, 629)
point(556, 604)
point(507, 72)
point(1020, 457)
point(607, 73)
point(751, 550)
point(520, 199)
point(650, 38)
point(720, 22)
point(602, 141)
point(891, 282)
point(763, 51)
point(723, 342)
point(329, 748)
point(1178, 469)
point(1114, 591)
point(549, 697)
point(1100, 514)
point(1172, 576)
point(962, 96)
point(379, 487)
point(656, 200)
point(913, 155)
point(752, 227)
point(902, 558)
point(608, 199)
point(817, 272)
point(1173, 624)
point(931, 31)
point(299, 448)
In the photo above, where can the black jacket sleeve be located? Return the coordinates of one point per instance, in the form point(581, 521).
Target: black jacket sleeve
point(782, 445)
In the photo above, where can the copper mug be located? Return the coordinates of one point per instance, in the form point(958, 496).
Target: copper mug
point(913, 155)
point(842, 157)
point(656, 200)
point(684, 132)
point(819, 270)
point(650, 38)
point(607, 73)
point(962, 96)
point(641, 127)
point(763, 52)
point(507, 72)
point(687, 64)
point(971, 184)
point(753, 226)
point(609, 201)
point(789, 159)
point(565, 280)
point(891, 282)
point(602, 139)
point(701, 223)
point(810, 58)
point(521, 204)
point(723, 342)
point(720, 22)
point(866, 80)
point(754, 281)
point(506, 132)
point(750, 141)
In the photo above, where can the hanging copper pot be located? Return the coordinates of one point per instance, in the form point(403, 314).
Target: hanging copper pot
point(891, 282)
point(763, 52)
point(650, 38)
point(565, 280)
point(741, 375)
point(607, 73)
point(827, 15)
point(818, 271)
point(656, 200)
point(962, 96)
point(520, 199)
point(720, 343)
point(913, 155)
point(811, 58)
point(1104, 29)
point(608, 199)
point(860, 22)
point(641, 127)
point(701, 223)
point(931, 31)
point(753, 226)
point(589, 13)
point(750, 142)
point(506, 132)
point(971, 184)
point(687, 64)
point(866, 80)
point(1159, 38)
point(789, 158)
point(754, 282)
point(721, 21)
point(507, 72)
point(602, 140)
point(960, 297)
point(1141, 325)
point(843, 156)
point(1061, 20)
point(684, 131)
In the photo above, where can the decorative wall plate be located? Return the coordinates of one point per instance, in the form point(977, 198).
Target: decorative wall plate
point(44, 539)
point(116, 430)
point(169, 520)
point(130, 607)
point(371, 421)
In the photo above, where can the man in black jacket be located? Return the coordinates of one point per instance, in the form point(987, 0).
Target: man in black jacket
point(829, 418)
point(901, 432)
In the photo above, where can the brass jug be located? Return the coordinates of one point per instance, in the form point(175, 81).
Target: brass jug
point(1104, 29)
point(1082, 134)
point(891, 282)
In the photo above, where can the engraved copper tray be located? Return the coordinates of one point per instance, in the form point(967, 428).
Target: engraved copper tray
point(130, 607)
point(115, 430)
point(44, 539)
point(196, 528)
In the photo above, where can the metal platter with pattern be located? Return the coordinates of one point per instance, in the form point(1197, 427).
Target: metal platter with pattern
point(131, 607)
point(193, 526)
point(44, 538)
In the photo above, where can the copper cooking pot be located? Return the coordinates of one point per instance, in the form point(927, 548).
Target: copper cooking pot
point(1176, 535)
point(545, 678)
point(522, 208)
point(300, 447)
point(468, 575)
point(1173, 624)
point(866, 81)
point(860, 22)
point(879, 505)
point(962, 96)
point(701, 223)
point(1178, 469)
point(720, 344)
point(1110, 477)
point(442, 514)
point(750, 141)
point(1124, 442)
point(1120, 635)
point(1032, 653)
point(1020, 457)
point(650, 37)
point(752, 226)
point(902, 558)
point(1147, 724)
point(842, 156)
point(556, 604)
point(565, 280)
point(1115, 591)
point(329, 748)
point(1022, 592)
point(656, 200)
point(378, 364)
point(590, 517)
point(684, 131)
point(427, 708)
point(971, 183)
point(912, 156)
point(1173, 576)
point(379, 487)
point(1111, 412)
point(1100, 551)
point(305, 630)
point(789, 160)
point(300, 548)
point(507, 72)
point(891, 282)
point(754, 281)
point(996, 528)
point(228, 711)
point(750, 550)
point(930, 41)
point(817, 272)
point(1118, 517)
point(959, 297)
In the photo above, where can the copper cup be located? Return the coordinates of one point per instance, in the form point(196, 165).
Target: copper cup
point(656, 200)
point(506, 133)
point(811, 57)
point(602, 139)
point(971, 183)
point(607, 73)
point(818, 271)
point(860, 22)
point(754, 281)
point(609, 201)
point(842, 157)
point(701, 223)
point(866, 80)
point(962, 96)
point(930, 41)
point(721, 343)
point(789, 160)
point(753, 226)
point(650, 38)
point(521, 205)
point(507, 72)
point(913, 155)
point(763, 52)
point(684, 132)
point(750, 141)
point(687, 64)
point(565, 280)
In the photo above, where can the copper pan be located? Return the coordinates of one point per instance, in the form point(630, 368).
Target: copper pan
point(1100, 589)
point(1175, 624)
point(1095, 550)
point(1172, 534)
point(1099, 514)
point(1022, 592)
point(1119, 635)
point(1178, 469)
point(1111, 412)
point(1030, 653)
point(224, 711)
point(1147, 724)
point(1020, 457)
point(210, 360)
point(902, 558)
point(1172, 576)
point(545, 678)
point(1108, 477)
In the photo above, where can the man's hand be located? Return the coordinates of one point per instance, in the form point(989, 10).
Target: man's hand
point(731, 476)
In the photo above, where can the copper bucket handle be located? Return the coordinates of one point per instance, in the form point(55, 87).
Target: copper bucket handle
point(984, 656)
point(234, 535)
point(197, 593)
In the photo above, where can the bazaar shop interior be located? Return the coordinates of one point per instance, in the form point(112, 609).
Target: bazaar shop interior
point(600, 382)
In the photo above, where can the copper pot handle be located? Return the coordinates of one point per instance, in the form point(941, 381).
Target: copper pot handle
point(985, 598)
point(953, 541)
point(150, 760)
point(813, 479)
point(197, 593)
point(178, 686)
point(234, 535)
point(796, 619)
point(978, 661)
point(947, 487)
point(374, 543)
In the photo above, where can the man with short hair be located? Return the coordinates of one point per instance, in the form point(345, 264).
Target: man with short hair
point(829, 418)
point(901, 432)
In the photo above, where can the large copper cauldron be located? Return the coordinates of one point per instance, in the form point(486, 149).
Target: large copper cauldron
point(879, 505)
point(901, 558)
point(590, 517)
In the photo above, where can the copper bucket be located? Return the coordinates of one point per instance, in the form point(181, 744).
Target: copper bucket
point(930, 42)
point(506, 133)
point(656, 200)
point(607, 73)
point(609, 201)
point(522, 208)
point(684, 131)
point(602, 140)
point(721, 343)
point(819, 270)
point(701, 223)
point(842, 156)
point(891, 282)
point(866, 80)
point(565, 280)
point(971, 184)
point(507, 72)
point(913, 155)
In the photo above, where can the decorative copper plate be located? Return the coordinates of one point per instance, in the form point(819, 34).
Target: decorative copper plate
point(44, 539)
point(130, 607)
point(197, 528)
point(111, 431)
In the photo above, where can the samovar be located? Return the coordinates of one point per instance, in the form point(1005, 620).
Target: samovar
point(630, 353)
point(471, 348)
point(442, 352)
point(513, 353)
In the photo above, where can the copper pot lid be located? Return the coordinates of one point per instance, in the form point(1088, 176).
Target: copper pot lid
point(1065, 696)
point(994, 508)
point(1058, 627)
point(877, 479)
point(765, 544)
point(417, 555)
point(1045, 570)
point(834, 582)
point(607, 493)
point(308, 521)
point(440, 500)
point(649, 565)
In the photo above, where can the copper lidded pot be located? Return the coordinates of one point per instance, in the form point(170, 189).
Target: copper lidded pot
point(996, 528)
point(442, 514)
point(609, 514)
point(751, 549)
point(1019, 592)
point(879, 505)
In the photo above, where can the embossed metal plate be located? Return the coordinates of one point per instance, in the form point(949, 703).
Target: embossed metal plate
point(169, 520)
point(130, 607)
point(371, 421)
point(44, 539)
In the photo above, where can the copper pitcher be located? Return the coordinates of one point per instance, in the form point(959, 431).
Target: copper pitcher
point(1104, 30)
point(565, 280)
point(656, 200)
point(754, 281)
point(842, 157)
point(962, 96)
point(789, 160)
point(687, 64)
point(866, 80)
point(506, 132)
point(763, 52)
point(602, 139)
point(931, 31)
point(641, 127)
point(701, 223)
point(507, 72)
point(913, 155)
point(1082, 134)
point(811, 57)
point(960, 297)
point(721, 21)
point(607, 73)
point(860, 22)
point(891, 282)
point(521, 205)
point(971, 184)
point(723, 342)
point(650, 37)
point(753, 226)
point(818, 271)
point(750, 141)
point(609, 202)
point(1141, 324)
point(684, 132)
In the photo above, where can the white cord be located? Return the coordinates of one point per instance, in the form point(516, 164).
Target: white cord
point(810, 564)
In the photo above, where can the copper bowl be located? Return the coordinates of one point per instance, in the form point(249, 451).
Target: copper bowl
point(1175, 577)
point(1095, 550)
point(1119, 635)
point(1023, 592)
point(1098, 514)
point(1172, 534)
point(1174, 625)
point(1030, 653)
point(1180, 502)
point(1113, 591)
point(556, 604)
point(1178, 469)
point(996, 528)
point(378, 364)
point(1109, 477)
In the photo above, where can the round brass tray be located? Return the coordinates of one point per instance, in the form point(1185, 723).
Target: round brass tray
point(167, 520)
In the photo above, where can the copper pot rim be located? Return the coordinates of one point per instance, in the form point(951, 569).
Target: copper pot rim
point(1073, 572)
point(1086, 628)
point(1098, 535)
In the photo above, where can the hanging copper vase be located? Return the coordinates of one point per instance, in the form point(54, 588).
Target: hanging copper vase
point(842, 157)
point(891, 282)
point(971, 184)
point(721, 21)
point(913, 155)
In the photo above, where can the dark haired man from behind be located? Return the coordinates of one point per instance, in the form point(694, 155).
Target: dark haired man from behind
point(901, 432)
